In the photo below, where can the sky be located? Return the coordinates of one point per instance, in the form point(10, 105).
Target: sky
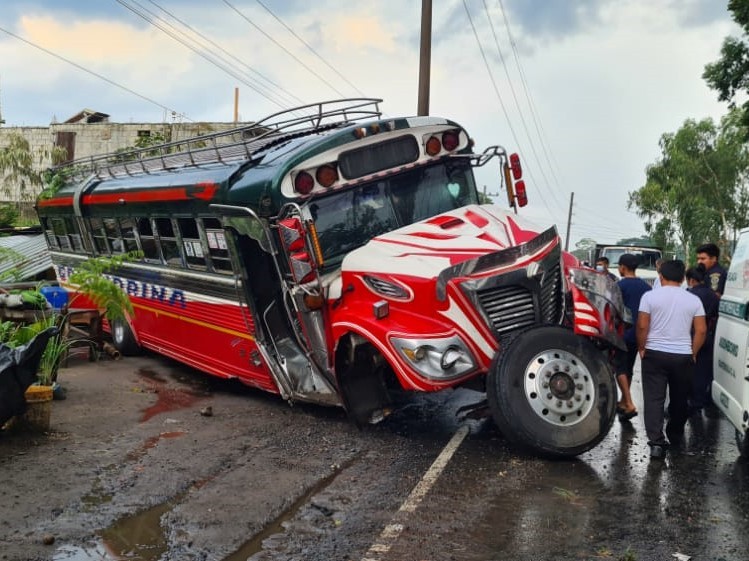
point(583, 90)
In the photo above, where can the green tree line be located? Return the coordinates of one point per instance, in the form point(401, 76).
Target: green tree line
point(697, 190)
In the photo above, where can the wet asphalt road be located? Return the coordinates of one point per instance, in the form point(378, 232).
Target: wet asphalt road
point(136, 472)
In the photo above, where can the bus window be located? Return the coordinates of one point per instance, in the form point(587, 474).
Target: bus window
point(49, 233)
point(188, 228)
point(217, 249)
point(100, 238)
point(61, 234)
point(74, 234)
point(147, 240)
point(113, 235)
point(127, 228)
point(168, 241)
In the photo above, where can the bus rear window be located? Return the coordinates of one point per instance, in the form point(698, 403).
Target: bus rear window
point(378, 157)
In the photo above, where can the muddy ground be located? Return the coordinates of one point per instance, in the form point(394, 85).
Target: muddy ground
point(149, 460)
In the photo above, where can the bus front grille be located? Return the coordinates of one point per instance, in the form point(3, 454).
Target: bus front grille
point(510, 308)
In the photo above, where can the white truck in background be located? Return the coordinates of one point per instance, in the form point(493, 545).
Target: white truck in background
point(648, 256)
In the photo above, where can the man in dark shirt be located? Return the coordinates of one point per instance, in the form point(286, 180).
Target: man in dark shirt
point(715, 277)
point(632, 289)
point(703, 366)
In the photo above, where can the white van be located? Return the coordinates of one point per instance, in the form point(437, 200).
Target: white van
point(730, 389)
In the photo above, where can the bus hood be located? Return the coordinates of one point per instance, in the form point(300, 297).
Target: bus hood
point(427, 248)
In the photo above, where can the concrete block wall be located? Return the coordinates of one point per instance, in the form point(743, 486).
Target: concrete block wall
point(92, 139)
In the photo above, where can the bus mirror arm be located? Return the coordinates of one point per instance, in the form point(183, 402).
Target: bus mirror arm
point(478, 160)
point(339, 300)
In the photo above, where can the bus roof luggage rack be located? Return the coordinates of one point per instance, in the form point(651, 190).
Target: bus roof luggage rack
point(227, 146)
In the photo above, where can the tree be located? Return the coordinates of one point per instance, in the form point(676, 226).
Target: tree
point(22, 168)
point(697, 191)
point(584, 249)
point(729, 75)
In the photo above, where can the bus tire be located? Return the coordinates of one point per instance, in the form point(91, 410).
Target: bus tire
point(123, 338)
point(552, 392)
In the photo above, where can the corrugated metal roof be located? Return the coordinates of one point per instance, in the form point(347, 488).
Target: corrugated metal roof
point(34, 254)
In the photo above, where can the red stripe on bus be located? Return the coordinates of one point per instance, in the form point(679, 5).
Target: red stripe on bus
point(62, 201)
point(202, 191)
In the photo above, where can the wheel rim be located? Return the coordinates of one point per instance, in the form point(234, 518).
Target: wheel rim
point(118, 332)
point(559, 388)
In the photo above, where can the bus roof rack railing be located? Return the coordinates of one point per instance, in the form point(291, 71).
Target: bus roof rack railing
point(232, 145)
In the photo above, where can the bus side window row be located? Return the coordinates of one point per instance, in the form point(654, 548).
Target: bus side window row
point(195, 243)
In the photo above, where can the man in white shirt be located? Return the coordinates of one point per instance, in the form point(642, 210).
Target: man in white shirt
point(671, 329)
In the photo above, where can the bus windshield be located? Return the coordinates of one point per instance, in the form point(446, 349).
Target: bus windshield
point(349, 219)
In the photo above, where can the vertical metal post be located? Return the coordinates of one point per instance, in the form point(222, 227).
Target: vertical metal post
point(236, 105)
point(425, 57)
point(569, 224)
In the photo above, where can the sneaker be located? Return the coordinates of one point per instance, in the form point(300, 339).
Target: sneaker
point(657, 452)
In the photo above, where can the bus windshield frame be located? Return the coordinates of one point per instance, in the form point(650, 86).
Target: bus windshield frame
point(348, 219)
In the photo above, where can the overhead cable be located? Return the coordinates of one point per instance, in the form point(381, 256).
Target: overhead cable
point(230, 55)
point(313, 51)
point(499, 97)
point(96, 74)
point(280, 46)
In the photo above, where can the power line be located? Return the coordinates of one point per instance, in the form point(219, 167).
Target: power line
point(536, 120)
point(496, 90)
point(519, 110)
point(313, 51)
point(199, 52)
point(101, 77)
point(222, 49)
point(280, 46)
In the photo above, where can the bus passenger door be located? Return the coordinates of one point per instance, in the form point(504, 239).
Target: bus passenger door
point(272, 305)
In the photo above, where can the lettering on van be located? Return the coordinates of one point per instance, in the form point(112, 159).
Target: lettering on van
point(734, 309)
point(133, 288)
point(729, 346)
point(727, 368)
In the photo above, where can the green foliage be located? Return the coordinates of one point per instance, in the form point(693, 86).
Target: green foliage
point(729, 75)
point(21, 167)
point(8, 216)
point(697, 190)
point(90, 280)
point(8, 255)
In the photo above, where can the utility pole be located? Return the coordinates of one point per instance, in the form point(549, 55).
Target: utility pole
point(569, 223)
point(425, 57)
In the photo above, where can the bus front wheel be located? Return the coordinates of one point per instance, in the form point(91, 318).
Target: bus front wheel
point(552, 392)
point(123, 338)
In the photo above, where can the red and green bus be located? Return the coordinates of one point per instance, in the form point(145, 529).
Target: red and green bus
point(332, 255)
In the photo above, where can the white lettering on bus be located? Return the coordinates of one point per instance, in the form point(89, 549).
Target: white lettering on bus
point(172, 296)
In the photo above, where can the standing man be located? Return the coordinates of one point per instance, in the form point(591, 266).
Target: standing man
point(703, 368)
point(632, 289)
point(670, 332)
point(707, 255)
point(602, 266)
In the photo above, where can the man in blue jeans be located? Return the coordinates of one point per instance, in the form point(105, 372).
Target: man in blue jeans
point(671, 329)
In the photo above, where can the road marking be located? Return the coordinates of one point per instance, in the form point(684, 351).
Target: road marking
point(392, 531)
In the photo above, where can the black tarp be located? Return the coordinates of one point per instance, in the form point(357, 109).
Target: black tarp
point(18, 369)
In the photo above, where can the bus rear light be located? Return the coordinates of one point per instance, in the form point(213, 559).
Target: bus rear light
point(326, 175)
point(450, 140)
point(313, 301)
point(361, 132)
point(301, 267)
point(374, 128)
point(509, 186)
point(433, 146)
point(520, 193)
point(303, 183)
point(292, 235)
point(517, 169)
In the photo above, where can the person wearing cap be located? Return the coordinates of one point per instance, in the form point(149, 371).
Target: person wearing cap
point(632, 289)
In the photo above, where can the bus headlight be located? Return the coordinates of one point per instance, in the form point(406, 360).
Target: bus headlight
point(438, 359)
